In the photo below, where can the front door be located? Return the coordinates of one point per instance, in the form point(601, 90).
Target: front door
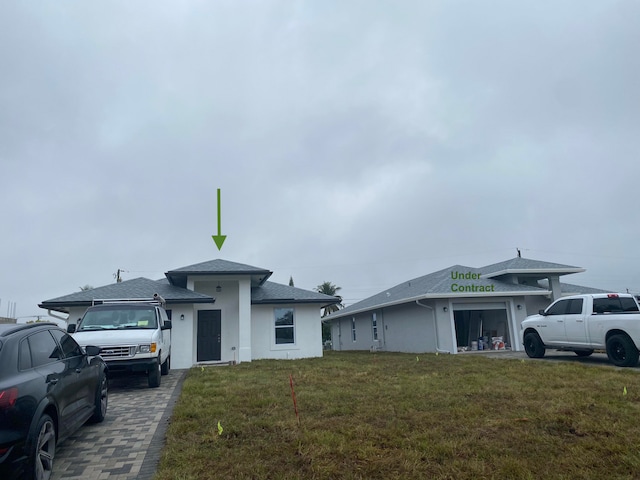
point(209, 333)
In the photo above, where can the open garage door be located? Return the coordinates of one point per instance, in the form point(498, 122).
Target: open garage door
point(482, 326)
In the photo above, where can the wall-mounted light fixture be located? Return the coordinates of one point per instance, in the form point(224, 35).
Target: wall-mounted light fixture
point(218, 288)
point(446, 309)
point(519, 307)
point(182, 317)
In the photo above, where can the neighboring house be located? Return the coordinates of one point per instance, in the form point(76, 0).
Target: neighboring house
point(221, 312)
point(450, 310)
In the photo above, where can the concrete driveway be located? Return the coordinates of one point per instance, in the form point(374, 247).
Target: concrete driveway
point(596, 359)
point(128, 443)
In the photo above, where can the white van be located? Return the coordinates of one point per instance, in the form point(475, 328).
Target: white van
point(134, 336)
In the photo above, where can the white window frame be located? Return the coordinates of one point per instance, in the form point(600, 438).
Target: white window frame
point(374, 326)
point(276, 327)
point(353, 329)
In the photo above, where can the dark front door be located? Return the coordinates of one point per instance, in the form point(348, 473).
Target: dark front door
point(208, 335)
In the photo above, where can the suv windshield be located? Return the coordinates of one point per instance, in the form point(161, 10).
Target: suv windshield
point(118, 318)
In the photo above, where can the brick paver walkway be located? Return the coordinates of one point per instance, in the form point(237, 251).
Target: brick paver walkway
point(127, 444)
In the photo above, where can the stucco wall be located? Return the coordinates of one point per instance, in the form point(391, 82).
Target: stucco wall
point(308, 333)
point(406, 328)
point(228, 304)
point(409, 328)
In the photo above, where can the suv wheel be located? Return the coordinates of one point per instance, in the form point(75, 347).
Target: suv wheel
point(101, 401)
point(43, 449)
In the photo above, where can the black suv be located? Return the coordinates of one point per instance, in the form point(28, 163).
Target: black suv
point(49, 387)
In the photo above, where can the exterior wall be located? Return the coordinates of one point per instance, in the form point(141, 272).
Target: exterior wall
point(307, 332)
point(402, 328)
point(409, 328)
point(425, 327)
point(227, 301)
point(75, 314)
point(534, 304)
point(182, 335)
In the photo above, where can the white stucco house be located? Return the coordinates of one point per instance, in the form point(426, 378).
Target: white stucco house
point(221, 311)
point(450, 310)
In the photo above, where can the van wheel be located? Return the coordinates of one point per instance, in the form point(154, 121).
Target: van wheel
point(153, 376)
point(43, 449)
point(166, 366)
point(533, 345)
point(621, 351)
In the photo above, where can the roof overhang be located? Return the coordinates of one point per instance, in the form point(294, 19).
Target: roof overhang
point(63, 307)
point(435, 296)
point(533, 272)
point(179, 278)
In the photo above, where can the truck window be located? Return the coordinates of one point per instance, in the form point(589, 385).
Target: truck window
point(575, 306)
point(614, 305)
point(628, 304)
point(558, 308)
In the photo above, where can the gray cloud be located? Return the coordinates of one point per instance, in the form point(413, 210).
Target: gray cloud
point(361, 143)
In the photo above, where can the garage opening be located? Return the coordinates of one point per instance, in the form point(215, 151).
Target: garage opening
point(481, 329)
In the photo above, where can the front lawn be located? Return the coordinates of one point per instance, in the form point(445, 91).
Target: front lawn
point(402, 416)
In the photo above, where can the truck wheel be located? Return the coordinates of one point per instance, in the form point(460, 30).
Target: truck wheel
point(533, 345)
point(153, 376)
point(166, 366)
point(583, 353)
point(621, 351)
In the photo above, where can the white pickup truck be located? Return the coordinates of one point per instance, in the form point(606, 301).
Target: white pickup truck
point(584, 323)
point(134, 336)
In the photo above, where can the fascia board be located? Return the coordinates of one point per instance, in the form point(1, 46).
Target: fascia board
point(439, 296)
point(533, 271)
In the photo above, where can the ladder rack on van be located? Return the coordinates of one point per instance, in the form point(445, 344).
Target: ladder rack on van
point(155, 300)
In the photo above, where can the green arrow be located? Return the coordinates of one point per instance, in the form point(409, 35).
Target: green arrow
point(219, 238)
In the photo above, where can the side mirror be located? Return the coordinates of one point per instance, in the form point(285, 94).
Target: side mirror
point(542, 312)
point(92, 350)
point(167, 325)
point(71, 328)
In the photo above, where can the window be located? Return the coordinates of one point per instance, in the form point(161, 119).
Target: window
point(69, 346)
point(575, 307)
point(353, 328)
point(44, 349)
point(614, 304)
point(284, 326)
point(558, 308)
point(374, 325)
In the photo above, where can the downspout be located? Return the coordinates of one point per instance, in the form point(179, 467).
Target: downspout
point(435, 325)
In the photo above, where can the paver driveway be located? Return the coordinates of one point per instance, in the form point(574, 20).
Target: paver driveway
point(127, 444)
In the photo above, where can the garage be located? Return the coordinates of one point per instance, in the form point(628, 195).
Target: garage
point(482, 326)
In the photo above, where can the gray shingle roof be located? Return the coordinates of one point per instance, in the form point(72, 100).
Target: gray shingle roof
point(271, 292)
point(141, 287)
point(439, 284)
point(526, 265)
point(218, 267)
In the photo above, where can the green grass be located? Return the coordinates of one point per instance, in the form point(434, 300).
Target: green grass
point(402, 416)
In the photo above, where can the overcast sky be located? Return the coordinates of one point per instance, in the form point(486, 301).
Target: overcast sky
point(359, 142)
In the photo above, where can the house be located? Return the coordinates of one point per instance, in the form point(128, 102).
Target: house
point(454, 309)
point(221, 311)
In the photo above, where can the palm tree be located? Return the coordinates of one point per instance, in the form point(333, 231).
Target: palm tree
point(329, 288)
